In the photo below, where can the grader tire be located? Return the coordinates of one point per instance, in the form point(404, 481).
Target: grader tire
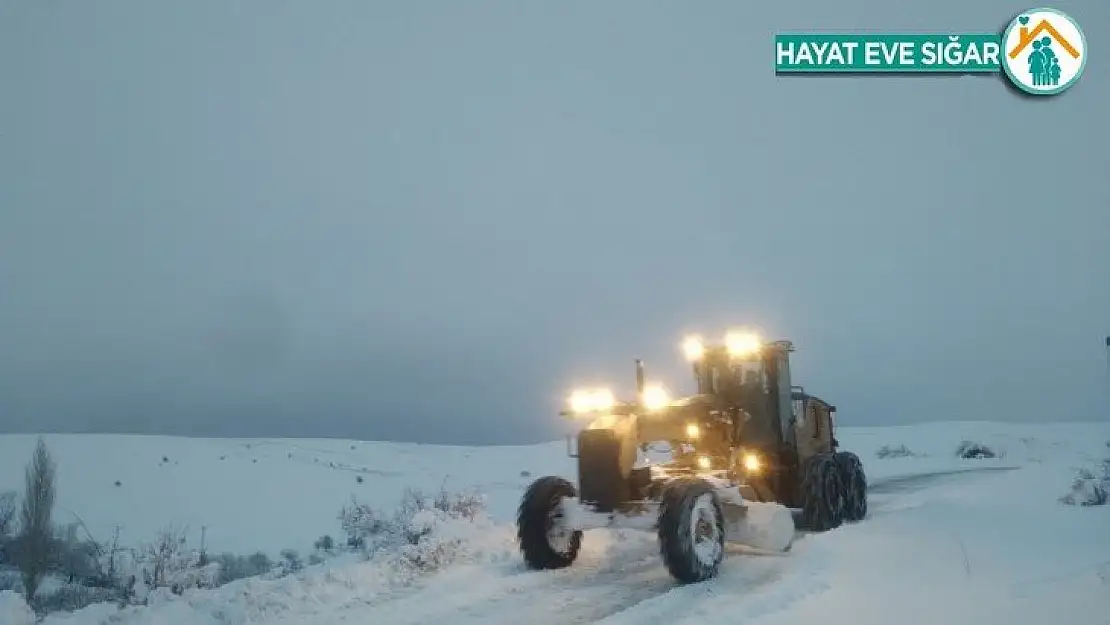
point(823, 494)
point(691, 530)
point(543, 541)
point(855, 485)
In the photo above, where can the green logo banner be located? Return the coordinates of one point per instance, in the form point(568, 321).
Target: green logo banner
point(865, 52)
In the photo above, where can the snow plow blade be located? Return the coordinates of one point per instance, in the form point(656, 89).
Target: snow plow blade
point(759, 525)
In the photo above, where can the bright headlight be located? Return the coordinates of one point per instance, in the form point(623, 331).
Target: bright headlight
point(591, 400)
point(742, 343)
point(656, 398)
point(581, 401)
point(704, 462)
point(752, 464)
point(693, 347)
point(692, 430)
point(604, 400)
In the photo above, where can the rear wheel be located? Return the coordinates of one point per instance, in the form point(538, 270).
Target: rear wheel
point(546, 539)
point(691, 530)
point(823, 494)
point(855, 485)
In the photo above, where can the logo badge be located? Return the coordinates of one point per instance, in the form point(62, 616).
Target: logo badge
point(1043, 51)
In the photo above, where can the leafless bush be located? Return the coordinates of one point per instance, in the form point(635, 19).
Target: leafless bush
point(168, 563)
point(1091, 487)
point(888, 451)
point(7, 513)
point(73, 596)
point(232, 567)
point(361, 523)
point(971, 450)
point(410, 534)
point(9, 580)
point(290, 562)
point(8, 502)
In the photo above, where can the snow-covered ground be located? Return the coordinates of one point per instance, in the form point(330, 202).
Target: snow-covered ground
point(946, 541)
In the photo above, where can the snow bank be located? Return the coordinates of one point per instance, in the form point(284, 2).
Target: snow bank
point(346, 581)
point(14, 611)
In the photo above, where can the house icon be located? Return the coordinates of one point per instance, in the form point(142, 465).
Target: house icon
point(1026, 37)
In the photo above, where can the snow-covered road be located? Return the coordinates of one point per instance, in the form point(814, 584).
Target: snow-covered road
point(619, 577)
point(936, 542)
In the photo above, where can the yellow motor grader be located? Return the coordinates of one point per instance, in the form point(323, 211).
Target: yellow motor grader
point(749, 458)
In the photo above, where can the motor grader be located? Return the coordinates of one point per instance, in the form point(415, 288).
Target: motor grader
point(749, 458)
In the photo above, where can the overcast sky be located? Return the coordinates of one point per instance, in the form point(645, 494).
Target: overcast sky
point(428, 220)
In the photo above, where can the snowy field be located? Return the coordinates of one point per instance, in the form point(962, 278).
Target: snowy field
point(946, 541)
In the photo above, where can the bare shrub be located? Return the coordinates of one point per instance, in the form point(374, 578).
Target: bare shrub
point(168, 563)
point(73, 596)
point(232, 567)
point(290, 562)
point(7, 512)
point(1091, 487)
point(412, 537)
point(888, 451)
point(8, 508)
point(970, 450)
point(360, 522)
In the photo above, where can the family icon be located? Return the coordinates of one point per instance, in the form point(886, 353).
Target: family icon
point(1048, 56)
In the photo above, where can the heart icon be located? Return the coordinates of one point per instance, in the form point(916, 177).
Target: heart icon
point(1024, 19)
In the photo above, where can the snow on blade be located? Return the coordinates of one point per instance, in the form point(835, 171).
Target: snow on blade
point(766, 526)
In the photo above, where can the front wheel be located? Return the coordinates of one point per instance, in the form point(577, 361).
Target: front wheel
point(855, 485)
point(823, 494)
point(691, 530)
point(545, 538)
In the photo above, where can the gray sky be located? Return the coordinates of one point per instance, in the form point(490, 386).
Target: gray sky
point(426, 221)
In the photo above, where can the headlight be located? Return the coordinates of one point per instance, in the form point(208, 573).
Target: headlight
point(604, 400)
point(704, 462)
point(752, 464)
point(693, 347)
point(742, 343)
point(692, 430)
point(656, 398)
point(591, 400)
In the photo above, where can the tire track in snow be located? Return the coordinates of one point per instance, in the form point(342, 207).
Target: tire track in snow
point(748, 587)
point(603, 581)
point(921, 481)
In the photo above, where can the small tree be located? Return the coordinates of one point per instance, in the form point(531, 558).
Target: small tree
point(36, 534)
